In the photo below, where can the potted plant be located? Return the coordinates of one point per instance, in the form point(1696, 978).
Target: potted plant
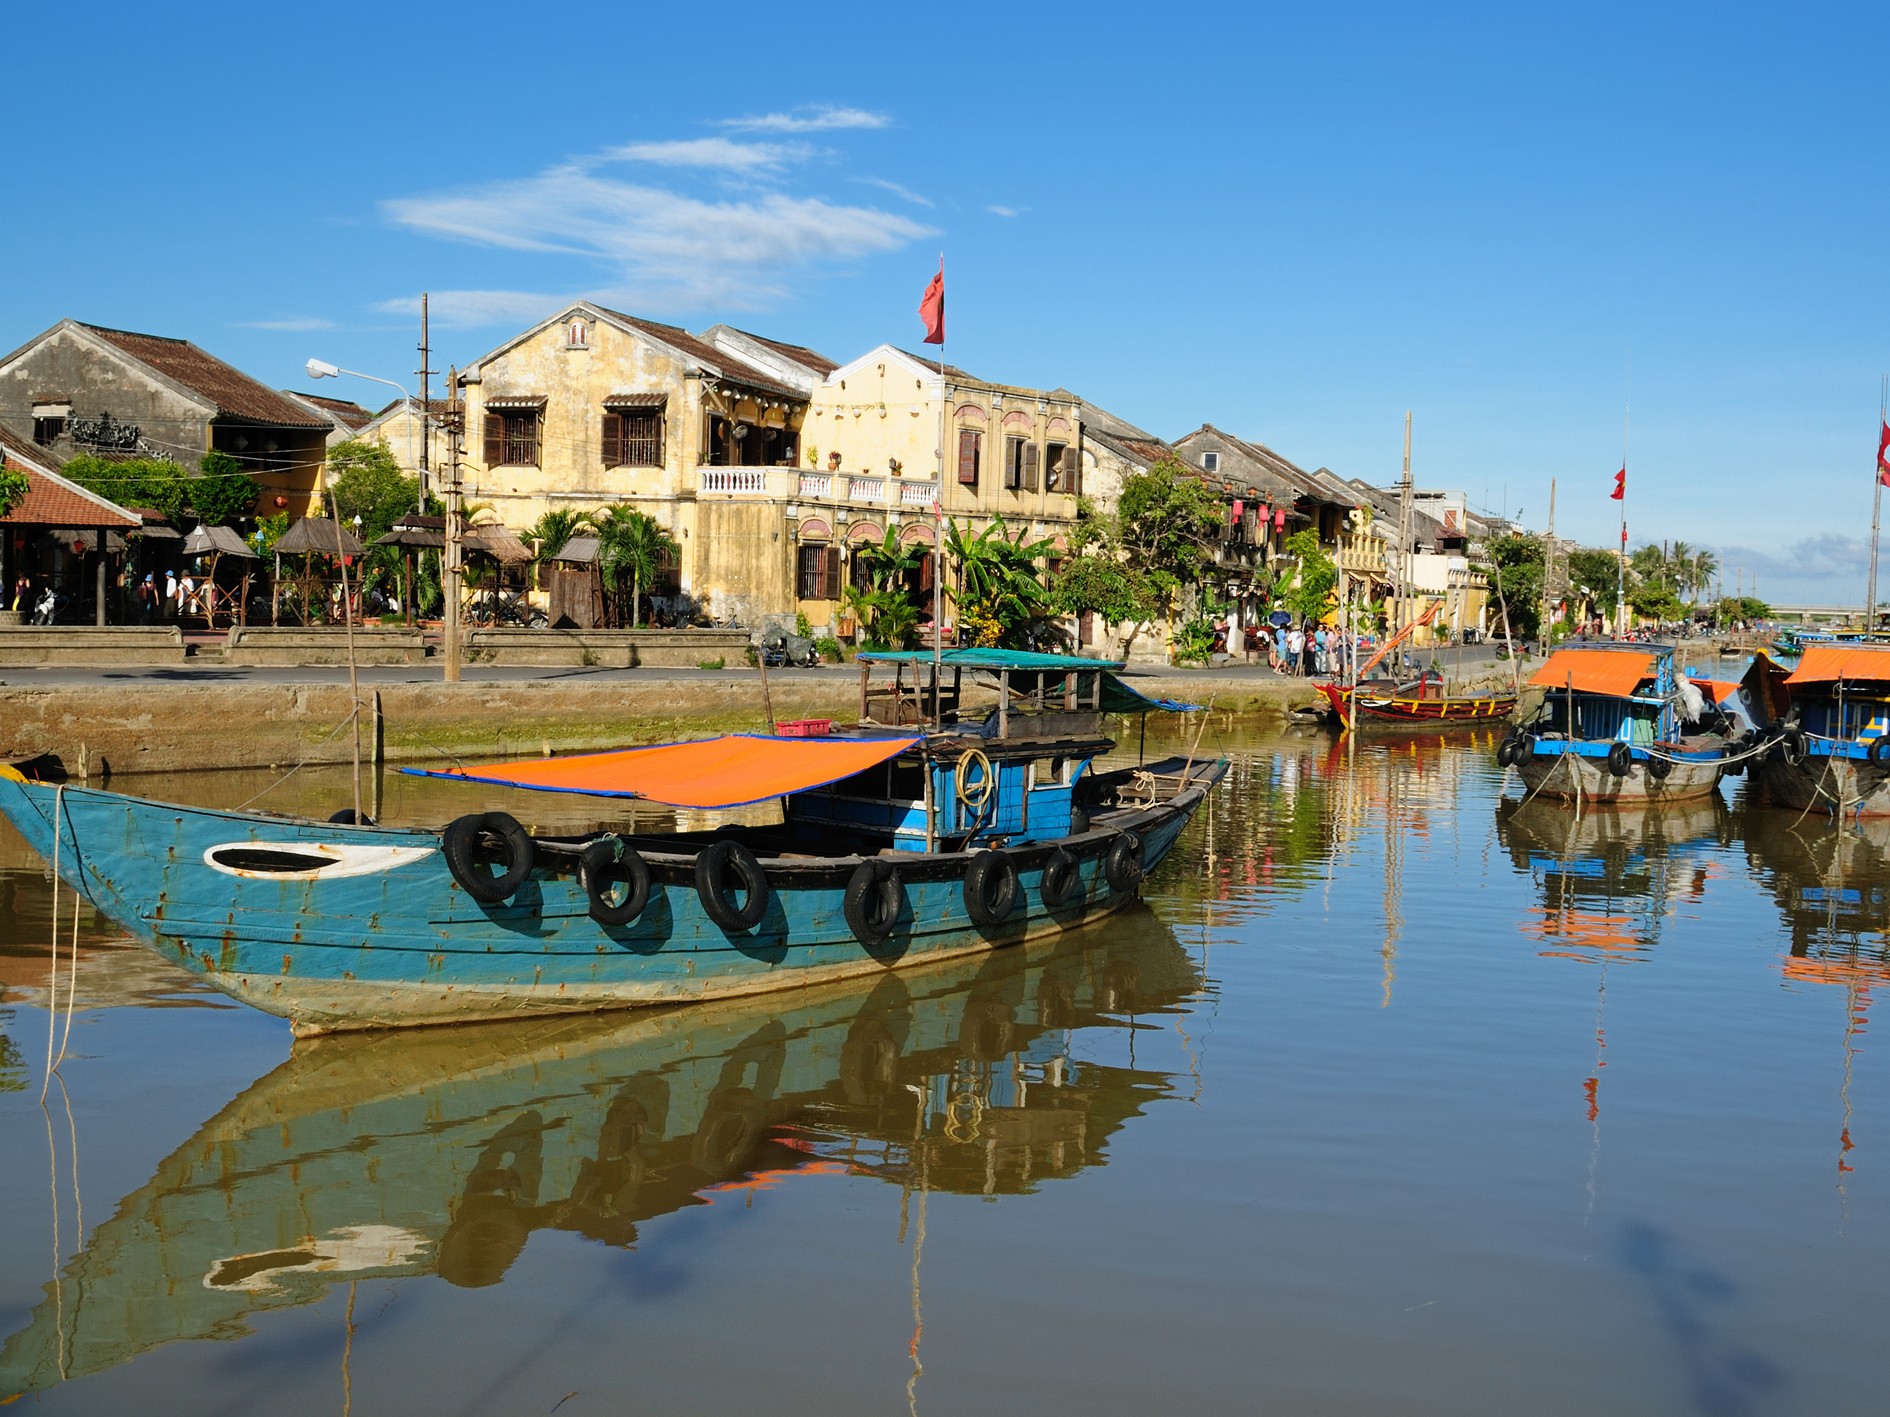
point(833, 461)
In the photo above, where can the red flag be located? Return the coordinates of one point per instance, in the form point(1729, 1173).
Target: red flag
point(1883, 456)
point(932, 308)
point(1620, 486)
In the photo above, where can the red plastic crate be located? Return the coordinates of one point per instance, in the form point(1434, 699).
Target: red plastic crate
point(804, 728)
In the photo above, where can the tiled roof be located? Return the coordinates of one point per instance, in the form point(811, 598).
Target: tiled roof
point(345, 411)
point(732, 369)
point(800, 354)
point(930, 361)
point(52, 500)
point(234, 393)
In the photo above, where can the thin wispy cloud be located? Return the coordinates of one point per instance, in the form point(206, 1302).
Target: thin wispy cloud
point(897, 190)
point(309, 323)
point(809, 118)
point(662, 248)
point(470, 309)
point(1006, 211)
point(719, 153)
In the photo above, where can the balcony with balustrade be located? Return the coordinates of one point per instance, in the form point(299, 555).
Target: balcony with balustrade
point(838, 489)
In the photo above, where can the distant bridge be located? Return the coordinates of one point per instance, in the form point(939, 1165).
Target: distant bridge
point(1851, 616)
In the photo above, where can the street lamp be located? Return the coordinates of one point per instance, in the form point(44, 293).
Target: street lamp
point(320, 369)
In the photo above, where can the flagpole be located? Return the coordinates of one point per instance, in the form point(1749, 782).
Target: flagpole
point(1620, 583)
point(938, 518)
point(1876, 504)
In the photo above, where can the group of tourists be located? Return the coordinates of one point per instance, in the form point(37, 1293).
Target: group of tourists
point(1302, 651)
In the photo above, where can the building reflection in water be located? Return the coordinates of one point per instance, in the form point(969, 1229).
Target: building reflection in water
point(441, 1151)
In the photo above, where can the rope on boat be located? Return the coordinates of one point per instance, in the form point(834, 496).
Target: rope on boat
point(72, 971)
point(353, 714)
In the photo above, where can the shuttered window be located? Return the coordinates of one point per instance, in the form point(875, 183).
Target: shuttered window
point(633, 438)
point(1060, 463)
point(1030, 467)
point(817, 573)
point(511, 439)
point(1013, 463)
point(969, 441)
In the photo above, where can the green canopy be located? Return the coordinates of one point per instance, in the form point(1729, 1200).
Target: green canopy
point(1117, 697)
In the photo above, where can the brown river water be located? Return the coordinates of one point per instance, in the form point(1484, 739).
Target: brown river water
point(1394, 1096)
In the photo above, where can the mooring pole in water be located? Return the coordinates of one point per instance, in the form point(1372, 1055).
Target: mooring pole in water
point(354, 686)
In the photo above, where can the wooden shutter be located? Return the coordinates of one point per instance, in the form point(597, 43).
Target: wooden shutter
point(1073, 470)
point(1030, 467)
point(968, 456)
point(1013, 461)
point(495, 440)
point(807, 573)
point(613, 440)
point(830, 575)
point(925, 571)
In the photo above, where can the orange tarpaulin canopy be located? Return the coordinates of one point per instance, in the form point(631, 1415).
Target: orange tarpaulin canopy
point(1596, 671)
point(720, 772)
point(1823, 663)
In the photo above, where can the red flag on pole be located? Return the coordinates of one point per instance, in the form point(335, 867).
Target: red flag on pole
point(1620, 486)
point(1883, 456)
point(932, 308)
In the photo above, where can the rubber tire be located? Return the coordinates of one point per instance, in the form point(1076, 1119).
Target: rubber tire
point(1123, 866)
point(1506, 753)
point(874, 901)
point(990, 887)
point(1062, 880)
point(1620, 759)
point(462, 838)
point(1658, 769)
point(599, 865)
point(1880, 752)
point(1793, 743)
point(712, 866)
point(348, 817)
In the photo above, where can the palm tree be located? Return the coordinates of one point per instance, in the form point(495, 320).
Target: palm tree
point(633, 546)
point(553, 530)
point(1705, 567)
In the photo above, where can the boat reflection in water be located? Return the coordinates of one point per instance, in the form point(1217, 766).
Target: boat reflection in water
point(439, 1151)
point(1833, 892)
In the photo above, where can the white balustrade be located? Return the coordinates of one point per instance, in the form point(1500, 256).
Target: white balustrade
point(918, 494)
point(868, 489)
point(752, 481)
point(816, 484)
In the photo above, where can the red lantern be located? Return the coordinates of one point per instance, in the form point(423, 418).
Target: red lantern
point(78, 547)
point(281, 502)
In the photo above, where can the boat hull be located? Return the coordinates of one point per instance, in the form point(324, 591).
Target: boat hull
point(1390, 711)
point(1556, 775)
point(1820, 783)
point(399, 944)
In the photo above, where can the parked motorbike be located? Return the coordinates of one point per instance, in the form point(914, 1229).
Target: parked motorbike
point(781, 650)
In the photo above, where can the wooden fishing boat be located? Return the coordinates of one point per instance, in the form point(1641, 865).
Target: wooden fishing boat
point(1831, 748)
point(437, 1155)
point(895, 846)
point(1617, 725)
point(1383, 704)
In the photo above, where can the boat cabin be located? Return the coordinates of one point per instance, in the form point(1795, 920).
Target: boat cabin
point(1602, 694)
point(1840, 695)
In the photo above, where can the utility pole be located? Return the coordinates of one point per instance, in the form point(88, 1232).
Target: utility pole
point(455, 425)
point(1403, 602)
point(1876, 507)
point(426, 398)
point(1548, 573)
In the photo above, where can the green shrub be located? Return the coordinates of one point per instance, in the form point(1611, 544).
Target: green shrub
point(830, 648)
point(717, 663)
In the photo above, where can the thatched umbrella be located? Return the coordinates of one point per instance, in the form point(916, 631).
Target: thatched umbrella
point(317, 536)
point(498, 543)
point(411, 538)
point(216, 542)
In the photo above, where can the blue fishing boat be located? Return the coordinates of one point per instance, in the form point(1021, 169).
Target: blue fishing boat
point(1617, 724)
point(896, 844)
point(1832, 744)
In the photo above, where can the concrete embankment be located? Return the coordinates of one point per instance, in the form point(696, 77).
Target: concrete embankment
point(142, 726)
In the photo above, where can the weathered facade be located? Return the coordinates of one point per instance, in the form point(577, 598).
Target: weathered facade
point(594, 407)
point(87, 389)
point(407, 434)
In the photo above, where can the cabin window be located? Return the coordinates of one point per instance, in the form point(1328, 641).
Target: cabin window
point(633, 438)
point(1049, 772)
point(817, 572)
point(511, 439)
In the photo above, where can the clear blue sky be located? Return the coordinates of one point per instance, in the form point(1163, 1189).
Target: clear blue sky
point(1292, 222)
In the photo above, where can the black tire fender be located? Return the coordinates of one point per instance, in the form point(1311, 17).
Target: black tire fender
point(713, 865)
point(990, 887)
point(1124, 866)
point(874, 901)
point(1062, 879)
point(1793, 744)
point(1658, 768)
point(1880, 752)
point(348, 817)
point(462, 839)
point(604, 861)
point(1506, 753)
point(1620, 759)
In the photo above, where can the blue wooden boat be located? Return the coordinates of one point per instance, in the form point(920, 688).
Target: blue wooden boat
point(1832, 744)
point(1617, 724)
point(443, 1153)
point(895, 846)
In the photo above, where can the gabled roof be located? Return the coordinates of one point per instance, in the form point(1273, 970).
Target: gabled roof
point(344, 412)
point(233, 393)
point(52, 500)
point(816, 363)
point(1290, 475)
point(716, 363)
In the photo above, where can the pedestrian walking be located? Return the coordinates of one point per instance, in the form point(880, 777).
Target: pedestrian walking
point(23, 593)
point(1295, 650)
point(147, 600)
